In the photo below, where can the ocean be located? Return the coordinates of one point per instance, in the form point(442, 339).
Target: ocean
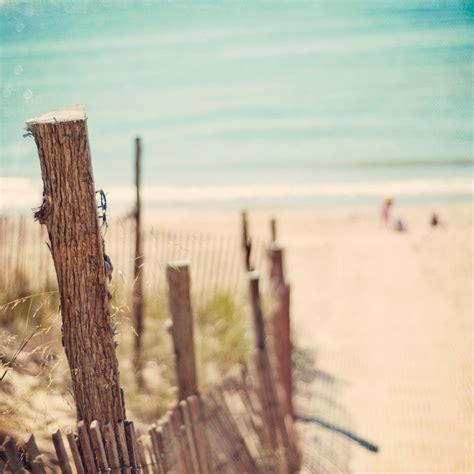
point(246, 103)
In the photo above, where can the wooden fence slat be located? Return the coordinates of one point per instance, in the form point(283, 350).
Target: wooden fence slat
point(131, 443)
point(98, 446)
point(171, 460)
point(161, 447)
point(37, 466)
point(186, 417)
point(227, 420)
point(230, 439)
point(86, 449)
point(61, 452)
point(76, 455)
point(142, 461)
point(157, 446)
point(230, 400)
point(13, 457)
point(152, 465)
point(31, 447)
point(122, 446)
point(223, 456)
point(111, 446)
point(181, 441)
point(200, 435)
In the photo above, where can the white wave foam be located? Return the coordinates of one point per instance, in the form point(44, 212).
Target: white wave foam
point(23, 194)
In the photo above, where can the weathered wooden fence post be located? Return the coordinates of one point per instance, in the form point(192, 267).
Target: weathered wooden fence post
point(182, 330)
point(69, 211)
point(280, 429)
point(281, 325)
point(246, 242)
point(137, 298)
point(266, 388)
point(277, 274)
point(273, 230)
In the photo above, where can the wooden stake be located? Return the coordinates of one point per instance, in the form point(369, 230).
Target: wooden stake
point(61, 453)
point(283, 348)
point(33, 454)
point(281, 325)
point(200, 434)
point(13, 458)
point(137, 298)
point(186, 417)
point(277, 276)
point(257, 310)
point(86, 449)
point(122, 445)
point(273, 230)
point(69, 211)
point(246, 242)
point(182, 329)
point(76, 455)
point(131, 443)
point(111, 447)
point(98, 447)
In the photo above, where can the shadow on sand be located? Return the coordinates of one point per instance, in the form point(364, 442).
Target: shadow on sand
point(326, 433)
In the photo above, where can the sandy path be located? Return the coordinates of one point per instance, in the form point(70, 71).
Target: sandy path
point(390, 314)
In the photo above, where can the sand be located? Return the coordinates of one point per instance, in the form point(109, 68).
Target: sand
point(387, 313)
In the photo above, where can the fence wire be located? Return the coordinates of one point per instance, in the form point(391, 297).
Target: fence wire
point(216, 261)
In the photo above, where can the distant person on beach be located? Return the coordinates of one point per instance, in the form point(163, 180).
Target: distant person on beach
point(399, 225)
point(435, 221)
point(386, 209)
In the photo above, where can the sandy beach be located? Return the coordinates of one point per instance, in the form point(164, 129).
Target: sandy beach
point(387, 313)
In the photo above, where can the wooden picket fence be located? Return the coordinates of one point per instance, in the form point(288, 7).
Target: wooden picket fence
point(242, 426)
point(217, 259)
point(245, 425)
point(225, 431)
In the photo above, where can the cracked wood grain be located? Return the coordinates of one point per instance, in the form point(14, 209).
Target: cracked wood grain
point(69, 212)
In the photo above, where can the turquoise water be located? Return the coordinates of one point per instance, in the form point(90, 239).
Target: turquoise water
point(247, 94)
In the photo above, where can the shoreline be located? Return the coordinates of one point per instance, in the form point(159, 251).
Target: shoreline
point(21, 194)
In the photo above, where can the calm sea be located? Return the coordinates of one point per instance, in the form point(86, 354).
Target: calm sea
point(255, 103)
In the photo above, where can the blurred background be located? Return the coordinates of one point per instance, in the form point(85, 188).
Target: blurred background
point(278, 103)
point(349, 123)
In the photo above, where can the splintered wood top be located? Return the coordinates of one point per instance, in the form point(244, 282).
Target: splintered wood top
point(70, 114)
point(253, 275)
point(179, 263)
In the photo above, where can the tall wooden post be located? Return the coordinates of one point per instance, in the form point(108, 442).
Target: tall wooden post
point(266, 388)
point(279, 426)
point(137, 298)
point(182, 330)
point(283, 347)
point(69, 211)
point(281, 325)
